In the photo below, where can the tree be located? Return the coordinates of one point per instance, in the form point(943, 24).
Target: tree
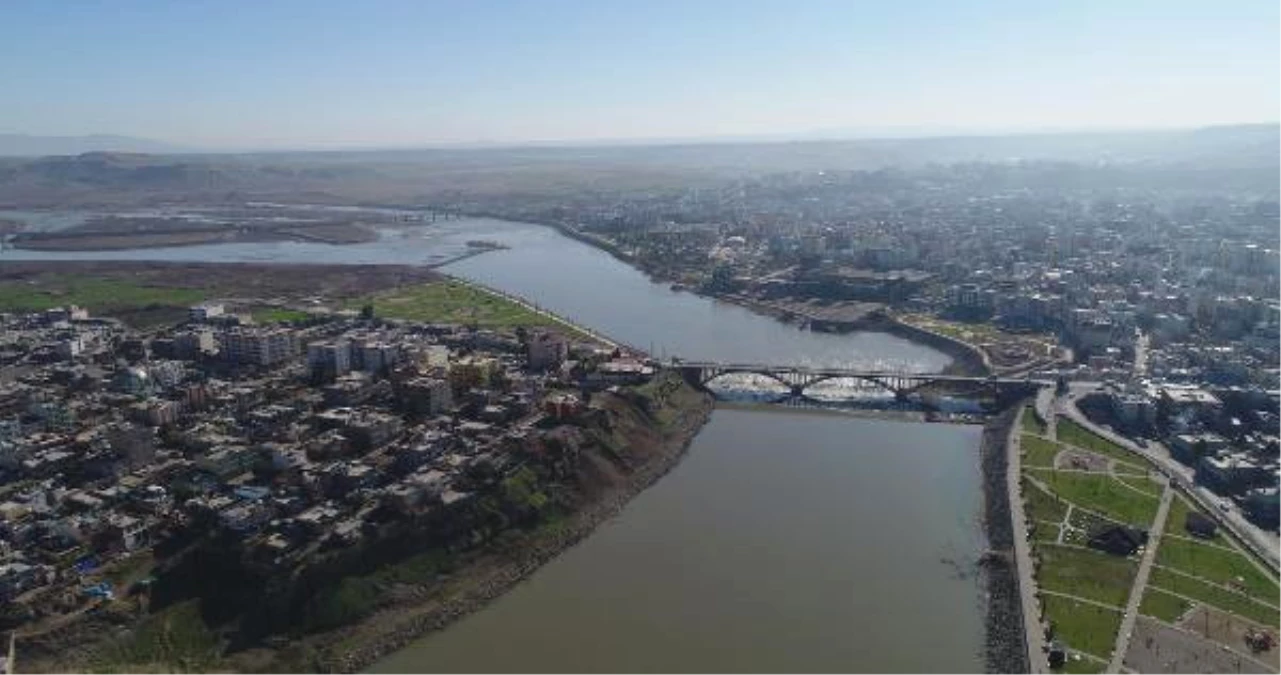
point(367, 312)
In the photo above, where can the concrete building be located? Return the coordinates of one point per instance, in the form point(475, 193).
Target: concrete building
point(546, 349)
point(329, 359)
point(262, 347)
point(429, 395)
point(205, 311)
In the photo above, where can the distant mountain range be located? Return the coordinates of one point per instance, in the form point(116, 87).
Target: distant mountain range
point(24, 145)
point(1244, 158)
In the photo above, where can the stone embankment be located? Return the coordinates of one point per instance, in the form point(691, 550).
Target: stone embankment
point(1005, 649)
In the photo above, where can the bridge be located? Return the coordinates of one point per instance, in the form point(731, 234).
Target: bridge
point(902, 384)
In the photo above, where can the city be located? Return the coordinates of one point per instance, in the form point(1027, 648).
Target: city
point(698, 337)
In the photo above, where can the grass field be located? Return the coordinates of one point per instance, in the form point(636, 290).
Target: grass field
point(1039, 505)
point(1086, 574)
point(1217, 565)
point(1225, 600)
point(1080, 666)
point(97, 295)
point(1177, 520)
point(1088, 521)
point(1033, 424)
point(451, 302)
point(1074, 434)
point(278, 315)
point(1143, 484)
point(1101, 493)
point(1161, 605)
point(1045, 533)
point(1082, 626)
point(1037, 451)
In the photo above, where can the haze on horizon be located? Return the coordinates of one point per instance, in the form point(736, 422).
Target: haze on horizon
point(396, 73)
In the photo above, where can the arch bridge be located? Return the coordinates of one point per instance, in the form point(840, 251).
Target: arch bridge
point(799, 379)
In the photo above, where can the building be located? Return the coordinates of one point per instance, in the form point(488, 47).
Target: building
point(471, 371)
point(261, 347)
point(427, 395)
point(1230, 473)
point(1118, 540)
point(193, 344)
point(1262, 505)
point(1200, 526)
point(546, 350)
point(329, 359)
point(205, 311)
point(376, 357)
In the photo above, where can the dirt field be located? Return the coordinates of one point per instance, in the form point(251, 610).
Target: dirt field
point(1157, 648)
point(1084, 461)
point(1227, 629)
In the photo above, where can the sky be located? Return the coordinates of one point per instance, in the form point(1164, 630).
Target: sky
point(248, 74)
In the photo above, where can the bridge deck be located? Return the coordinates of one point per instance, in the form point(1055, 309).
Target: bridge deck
point(831, 373)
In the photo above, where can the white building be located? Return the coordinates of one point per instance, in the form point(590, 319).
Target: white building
point(259, 347)
point(205, 311)
point(330, 357)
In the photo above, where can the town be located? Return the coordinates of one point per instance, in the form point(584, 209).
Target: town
point(283, 442)
point(1172, 302)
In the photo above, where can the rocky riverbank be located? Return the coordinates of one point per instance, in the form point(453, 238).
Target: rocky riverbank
point(1004, 651)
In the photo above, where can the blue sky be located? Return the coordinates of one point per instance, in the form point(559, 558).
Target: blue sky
point(314, 73)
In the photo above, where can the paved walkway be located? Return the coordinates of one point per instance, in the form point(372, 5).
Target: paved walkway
point(1140, 583)
point(1035, 636)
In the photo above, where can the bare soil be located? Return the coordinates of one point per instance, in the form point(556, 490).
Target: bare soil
point(1159, 648)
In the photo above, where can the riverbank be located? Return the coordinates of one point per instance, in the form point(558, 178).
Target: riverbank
point(1004, 648)
point(491, 575)
point(967, 359)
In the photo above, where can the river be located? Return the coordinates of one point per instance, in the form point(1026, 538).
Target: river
point(786, 540)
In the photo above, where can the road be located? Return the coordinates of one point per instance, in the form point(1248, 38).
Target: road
point(1140, 583)
point(1261, 543)
point(1035, 637)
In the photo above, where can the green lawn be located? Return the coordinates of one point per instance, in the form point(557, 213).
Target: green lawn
point(1082, 626)
point(1037, 451)
point(1045, 533)
point(1161, 605)
point(1080, 666)
point(1033, 424)
point(278, 315)
point(99, 296)
point(1086, 574)
point(1225, 600)
point(1038, 505)
point(1074, 434)
point(1101, 493)
point(1088, 521)
point(452, 302)
point(1178, 519)
point(1217, 565)
point(1143, 484)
